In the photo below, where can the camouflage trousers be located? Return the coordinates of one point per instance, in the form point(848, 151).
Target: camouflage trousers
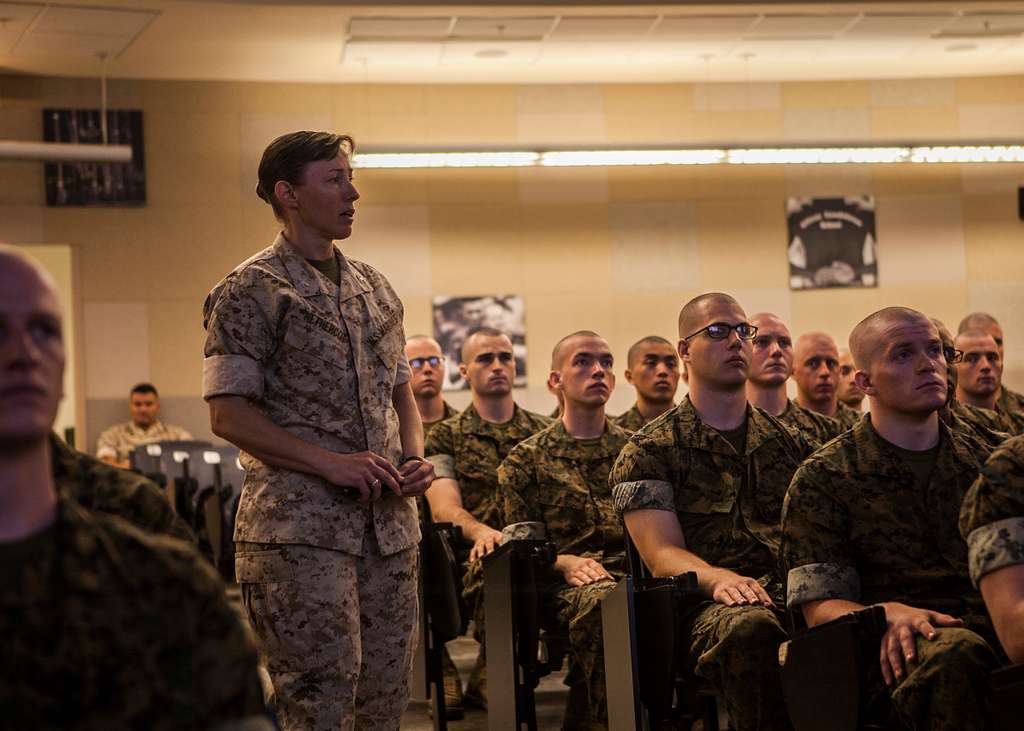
point(473, 596)
point(947, 688)
point(336, 631)
point(737, 649)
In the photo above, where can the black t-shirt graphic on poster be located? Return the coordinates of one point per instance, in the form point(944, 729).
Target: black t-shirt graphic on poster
point(832, 242)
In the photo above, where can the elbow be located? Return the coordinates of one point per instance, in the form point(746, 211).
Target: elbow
point(220, 420)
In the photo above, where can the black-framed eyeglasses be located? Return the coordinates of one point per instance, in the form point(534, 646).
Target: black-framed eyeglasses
point(721, 330)
point(433, 360)
point(953, 355)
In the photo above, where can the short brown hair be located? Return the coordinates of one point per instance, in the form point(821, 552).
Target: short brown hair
point(286, 159)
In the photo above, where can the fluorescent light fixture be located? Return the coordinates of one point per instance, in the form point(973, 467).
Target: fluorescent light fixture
point(817, 155)
point(582, 158)
point(63, 152)
point(848, 155)
point(446, 159)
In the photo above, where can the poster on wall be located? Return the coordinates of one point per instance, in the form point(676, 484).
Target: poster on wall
point(456, 317)
point(832, 242)
point(90, 183)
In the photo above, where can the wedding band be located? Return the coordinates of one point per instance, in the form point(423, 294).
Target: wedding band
point(375, 483)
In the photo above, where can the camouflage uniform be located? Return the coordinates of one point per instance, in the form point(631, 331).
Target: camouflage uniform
point(108, 627)
point(120, 440)
point(815, 427)
point(975, 422)
point(857, 527)
point(992, 516)
point(469, 450)
point(555, 479)
point(106, 489)
point(728, 506)
point(1010, 401)
point(630, 420)
point(847, 417)
point(449, 412)
point(329, 584)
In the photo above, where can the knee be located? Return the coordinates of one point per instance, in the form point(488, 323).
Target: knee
point(958, 651)
point(753, 631)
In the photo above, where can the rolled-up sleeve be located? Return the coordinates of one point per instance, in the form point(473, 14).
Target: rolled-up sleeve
point(816, 542)
point(641, 477)
point(644, 495)
point(238, 338)
point(995, 546)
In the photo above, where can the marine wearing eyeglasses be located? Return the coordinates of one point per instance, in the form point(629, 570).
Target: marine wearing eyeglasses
point(466, 451)
point(701, 490)
point(986, 426)
point(771, 365)
point(427, 363)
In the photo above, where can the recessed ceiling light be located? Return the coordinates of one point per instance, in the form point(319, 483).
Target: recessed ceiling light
point(491, 53)
point(961, 47)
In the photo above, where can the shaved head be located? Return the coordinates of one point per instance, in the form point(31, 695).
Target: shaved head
point(637, 349)
point(977, 321)
point(811, 340)
point(480, 333)
point(691, 317)
point(562, 349)
point(868, 338)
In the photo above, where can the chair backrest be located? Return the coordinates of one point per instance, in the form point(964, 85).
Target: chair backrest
point(218, 476)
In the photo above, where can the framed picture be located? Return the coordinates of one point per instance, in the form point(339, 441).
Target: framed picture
point(95, 184)
point(832, 242)
point(456, 317)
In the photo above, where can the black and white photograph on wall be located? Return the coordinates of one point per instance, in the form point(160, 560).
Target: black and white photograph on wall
point(832, 242)
point(456, 317)
point(90, 183)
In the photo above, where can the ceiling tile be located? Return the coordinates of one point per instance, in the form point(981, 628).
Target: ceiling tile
point(502, 27)
point(489, 53)
point(399, 27)
point(392, 53)
point(800, 26)
point(907, 26)
point(572, 28)
point(93, 21)
point(987, 22)
point(703, 26)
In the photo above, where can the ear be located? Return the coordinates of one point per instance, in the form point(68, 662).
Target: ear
point(863, 381)
point(284, 192)
point(683, 348)
point(629, 376)
point(555, 380)
point(463, 371)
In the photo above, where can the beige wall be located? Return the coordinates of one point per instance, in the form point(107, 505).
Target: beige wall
point(615, 250)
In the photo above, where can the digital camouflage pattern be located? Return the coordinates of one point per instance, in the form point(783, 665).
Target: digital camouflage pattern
point(468, 449)
point(120, 440)
point(855, 526)
point(992, 515)
point(847, 417)
point(816, 428)
point(449, 412)
point(559, 481)
point(98, 486)
point(975, 422)
point(1010, 401)
point(728, 504)
point(107, 627)
point(321, 361)
point(630, 420)
point(317, 635)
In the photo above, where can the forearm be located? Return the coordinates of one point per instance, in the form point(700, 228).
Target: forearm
point(825, 610)
point(410, 426)
point(235, 419)
point(1003, 591)
point(446, 507)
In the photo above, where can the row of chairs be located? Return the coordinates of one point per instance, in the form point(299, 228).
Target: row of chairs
point(823, 670)
point(204, 484)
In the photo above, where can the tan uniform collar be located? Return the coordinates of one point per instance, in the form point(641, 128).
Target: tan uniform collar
point(760, 430)
point(558, 442)
point(308, 282)
point(518, 426)
point(955, 454)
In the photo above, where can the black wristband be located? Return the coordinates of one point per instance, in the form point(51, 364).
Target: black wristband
point(410, 459)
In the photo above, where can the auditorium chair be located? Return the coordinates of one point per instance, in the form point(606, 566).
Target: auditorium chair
point(150, 459)
point(519, 649)
point(648, 684)
point(825, 671)
point(441, 618)
point(216, 475)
